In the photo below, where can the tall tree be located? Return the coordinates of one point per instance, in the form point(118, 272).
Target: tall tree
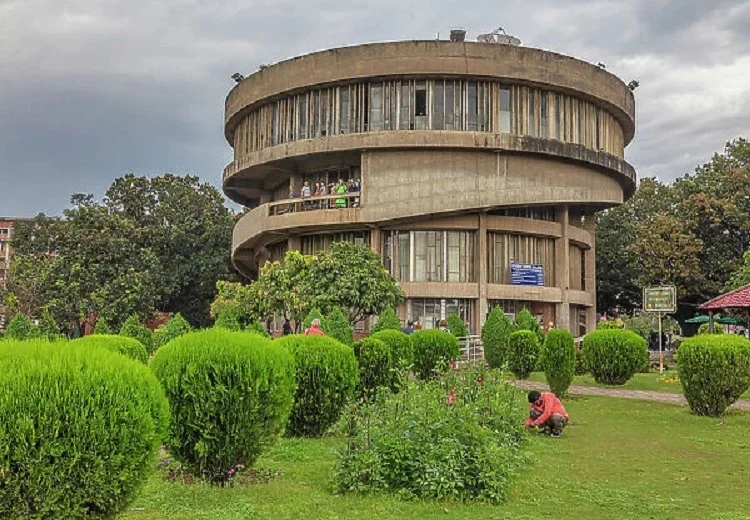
point(189, 229)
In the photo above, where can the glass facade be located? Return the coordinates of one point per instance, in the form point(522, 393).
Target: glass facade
point(429, 311)
point(430, 256)
point(312, 244)
point(506, 248)
point(429, 104)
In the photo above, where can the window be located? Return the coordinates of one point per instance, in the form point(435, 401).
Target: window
point(596, 145)
point(376, 107)
point(532, 113)
point(315, 131)
point(544, 120)
point(302, 110)
point(428, 256)
point(420, 99)
point(344, 110)
point(472, 110)
point(460, 256)
point(405, 121)
point(504, 249)
point(274, 124)
point(438, 105)
point(430, 311)
point(404, 253)
point(450, 113)
point(559, 111)
point(324, 113)
point(504, 111)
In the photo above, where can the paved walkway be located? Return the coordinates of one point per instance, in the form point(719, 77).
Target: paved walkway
point(624, 394)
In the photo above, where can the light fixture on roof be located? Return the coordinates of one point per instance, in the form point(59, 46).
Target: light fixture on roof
point(458, 35)
point(601, 65)
point(633, 84)
point(499, 36)
point(238, 77)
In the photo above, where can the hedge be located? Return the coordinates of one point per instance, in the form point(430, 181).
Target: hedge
point(129, 347)
point(495, 333)
point(433, 350)
point(523, 353)
point(559, 360)
point(326, 371)
point(613, 356)
point(400, 344)
point(375, 362)
point(230, 394)
point(337, 326)
point(388, 320)
point(457, 326)
point(80, 430)
point(133, 328)
point(714, 371)
point(174, 328)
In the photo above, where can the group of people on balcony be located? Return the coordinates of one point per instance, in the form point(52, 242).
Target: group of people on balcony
point(321, 190)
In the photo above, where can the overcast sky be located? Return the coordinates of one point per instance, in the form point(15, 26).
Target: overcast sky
point(92, 89)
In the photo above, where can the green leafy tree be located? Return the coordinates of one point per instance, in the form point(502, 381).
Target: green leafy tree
point(352, 277)
point(456, 326)
point(337, 326)
point(133, 328)
point(102, 327)
point(176, 326)
point(495, 333)
point(284, 288)
point(388, 320)
point(257, 328)
point(188, 228)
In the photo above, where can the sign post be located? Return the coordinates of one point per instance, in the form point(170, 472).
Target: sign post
point(661, 300)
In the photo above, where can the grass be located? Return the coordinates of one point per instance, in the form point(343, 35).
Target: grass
point(619, 459)
point(651, 382)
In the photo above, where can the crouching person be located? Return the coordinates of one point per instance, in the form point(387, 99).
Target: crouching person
point(547, 413)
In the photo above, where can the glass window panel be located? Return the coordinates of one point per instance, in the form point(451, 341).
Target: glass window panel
point(532, 112)
point(376, 107)
point(438, 104)
point(505, 110)
point(344, 110)
point(403, 257)
point(405, 121)
point(544, 120)
point(420, 99)
point(473, 107)
point(450, 123)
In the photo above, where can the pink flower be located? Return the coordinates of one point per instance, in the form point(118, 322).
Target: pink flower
point(452, 364)
point(451, 397)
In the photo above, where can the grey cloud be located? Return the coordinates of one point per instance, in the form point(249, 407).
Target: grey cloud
point(91, 89)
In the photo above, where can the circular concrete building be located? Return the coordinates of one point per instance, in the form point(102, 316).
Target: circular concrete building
point(473, 169)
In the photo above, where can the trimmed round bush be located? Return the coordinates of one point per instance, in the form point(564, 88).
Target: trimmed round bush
point(433, 351)
point(375, 364)
point(129, 347)
point(400, 346)
point(80, 430)
point(714, 371)
point(133, 328)
point(456, 326)
point(523, 353)
point(388, 320)
point(613, 356)
point(559, 360)
point(326, 372)
point(230, 394)
point(495, 334)
point(337, 326)
point(175, 327)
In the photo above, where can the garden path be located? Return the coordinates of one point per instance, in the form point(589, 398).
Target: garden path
point(625, 394)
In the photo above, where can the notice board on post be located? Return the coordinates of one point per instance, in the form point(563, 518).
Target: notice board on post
point(526, 274)
point(660, 299)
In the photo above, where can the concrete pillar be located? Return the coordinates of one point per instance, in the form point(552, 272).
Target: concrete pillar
point(482, 305)
point(590, 260)
point(294, 244)
point(375, 240)
point(562, 271)
point(295, 182)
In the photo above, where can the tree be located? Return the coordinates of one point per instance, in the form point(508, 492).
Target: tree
point(227, 320)
point(337, 326)
point(352, 277)
point(284, 288)
point(495, 333)
point(527, 321)
point(20, 328)
point(133, 328)
point(189, 229)
point(741, 276)
point(176, 326)
point(388, 320)
point(48, 328)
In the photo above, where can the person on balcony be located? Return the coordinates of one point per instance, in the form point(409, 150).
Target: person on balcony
point(341, 189)
point(306, 195)
point(323, 192)
point(546, 413)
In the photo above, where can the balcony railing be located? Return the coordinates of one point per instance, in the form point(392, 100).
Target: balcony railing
point(336, 201)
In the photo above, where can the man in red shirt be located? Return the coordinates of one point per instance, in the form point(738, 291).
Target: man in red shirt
point(314, 329)
point(547, 412)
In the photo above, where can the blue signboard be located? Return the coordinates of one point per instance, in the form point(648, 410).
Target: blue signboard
point(526, 274)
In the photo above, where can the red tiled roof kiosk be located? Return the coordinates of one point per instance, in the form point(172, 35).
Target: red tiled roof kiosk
point(737, 299)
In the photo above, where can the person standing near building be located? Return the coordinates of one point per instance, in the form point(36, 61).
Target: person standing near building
point(314, 329)
point(306, 195)
point(341, 189)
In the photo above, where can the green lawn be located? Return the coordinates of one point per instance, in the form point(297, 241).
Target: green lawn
point(619, 459)
point(652, 382)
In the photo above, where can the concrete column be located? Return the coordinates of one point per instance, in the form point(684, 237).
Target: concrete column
point(375, 239)
point(296, 182)
point(590, 259)
point(562, 271)
point(482, 305)
point(294, 244)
